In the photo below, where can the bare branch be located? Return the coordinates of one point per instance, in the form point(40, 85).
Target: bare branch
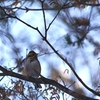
point(44, 80)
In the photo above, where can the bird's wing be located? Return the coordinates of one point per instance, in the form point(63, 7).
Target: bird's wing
point(35, 68)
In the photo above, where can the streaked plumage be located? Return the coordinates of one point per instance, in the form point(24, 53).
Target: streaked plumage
point(32, 66)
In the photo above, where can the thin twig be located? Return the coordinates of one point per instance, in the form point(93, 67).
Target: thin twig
point(56, 15)
point(44, 18)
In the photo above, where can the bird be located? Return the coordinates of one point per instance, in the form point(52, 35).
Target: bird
point(32, 67)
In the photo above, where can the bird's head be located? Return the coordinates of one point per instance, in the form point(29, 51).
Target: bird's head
point(32, 55)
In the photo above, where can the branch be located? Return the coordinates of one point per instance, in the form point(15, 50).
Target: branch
point(68, 5)
point(44, 80)
point(56, 14)
point(29, 9)
point(44, 18)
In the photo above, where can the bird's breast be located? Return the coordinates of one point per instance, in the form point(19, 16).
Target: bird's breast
point(32, 68)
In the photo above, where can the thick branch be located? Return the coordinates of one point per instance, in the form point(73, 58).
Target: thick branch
point(44, 80)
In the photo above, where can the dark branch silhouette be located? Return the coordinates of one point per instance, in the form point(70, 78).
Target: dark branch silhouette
point(44, 80)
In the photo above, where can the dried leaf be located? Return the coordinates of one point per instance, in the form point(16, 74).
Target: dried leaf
point(16, 3)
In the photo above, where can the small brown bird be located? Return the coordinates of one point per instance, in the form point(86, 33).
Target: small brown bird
point(32, 67)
